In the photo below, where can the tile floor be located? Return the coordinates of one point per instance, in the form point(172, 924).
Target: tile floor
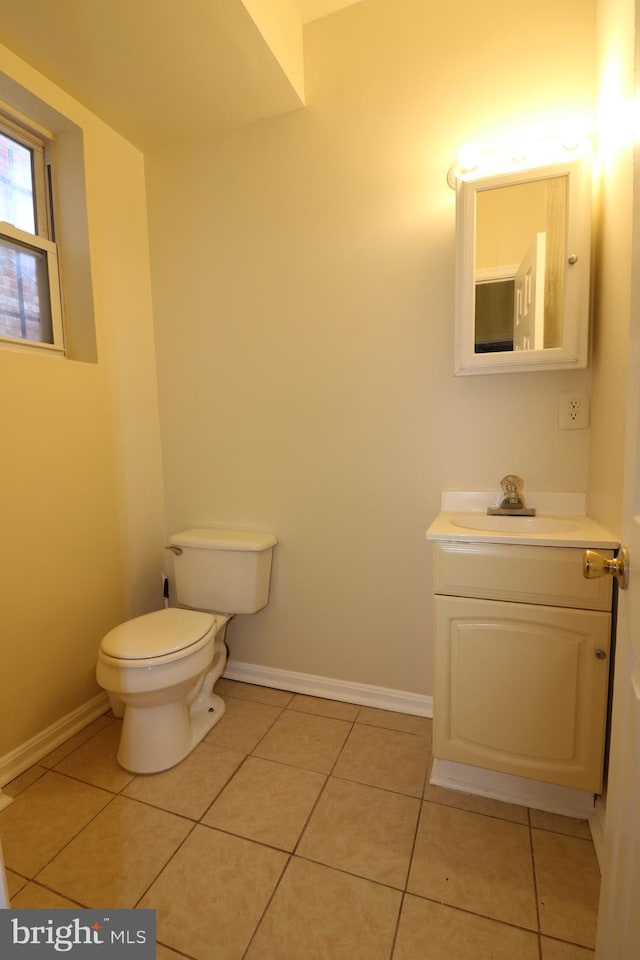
point(300, 829)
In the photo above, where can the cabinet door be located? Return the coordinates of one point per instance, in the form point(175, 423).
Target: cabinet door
point(522, 689)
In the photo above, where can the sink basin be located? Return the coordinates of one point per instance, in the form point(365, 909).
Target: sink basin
point(466, 520)
point(516, 524)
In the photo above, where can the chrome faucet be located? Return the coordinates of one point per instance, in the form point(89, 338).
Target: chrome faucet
point(511, 503)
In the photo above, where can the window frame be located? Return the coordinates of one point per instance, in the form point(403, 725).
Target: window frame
point(30, 241)
point(43, 240)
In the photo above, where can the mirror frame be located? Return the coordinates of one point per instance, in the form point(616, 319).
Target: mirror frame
point(573, 354)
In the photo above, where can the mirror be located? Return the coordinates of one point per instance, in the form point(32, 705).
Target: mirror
point(522, 270)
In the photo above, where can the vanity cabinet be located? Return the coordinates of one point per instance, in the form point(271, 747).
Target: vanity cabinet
point(522, 646)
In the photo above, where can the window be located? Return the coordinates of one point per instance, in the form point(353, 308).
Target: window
point(30, 308)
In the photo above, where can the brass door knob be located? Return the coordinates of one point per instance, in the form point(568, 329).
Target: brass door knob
point(595, 565)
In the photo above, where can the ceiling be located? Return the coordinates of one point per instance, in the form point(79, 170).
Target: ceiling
point(314, 9)
point(155, 70)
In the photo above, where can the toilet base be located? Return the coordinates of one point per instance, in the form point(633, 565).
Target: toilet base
point(158, 735)
point(157, 738)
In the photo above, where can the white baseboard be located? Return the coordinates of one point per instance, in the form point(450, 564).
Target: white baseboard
point(384, 698)
point(24, 756)
point(503, 786)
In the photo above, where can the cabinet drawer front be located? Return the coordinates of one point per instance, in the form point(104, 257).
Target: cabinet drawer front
point(519, 573)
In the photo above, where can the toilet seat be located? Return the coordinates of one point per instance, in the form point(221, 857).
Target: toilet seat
point(164, 634)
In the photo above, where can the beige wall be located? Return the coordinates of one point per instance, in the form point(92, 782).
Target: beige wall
point(81, 486)
point(303, 283)
point(611, 303)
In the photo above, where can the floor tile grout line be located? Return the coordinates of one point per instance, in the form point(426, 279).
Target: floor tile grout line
point(560, 833)
point(290, 858)
point(84, 743)
point(475, 913)
point(266, 703)
point(541, 932)
point(356, 719)
point(223, 788)
point(307, 821)
point(46, 886)
point(268, 730)
point(90, 783)
point(348, 873)
point(35, 878)
point(405, 890)
point(571, 943)
point(70, 840)
point(36, 764)
point(419, 803)
point(240, 836)
point(478, 813)
point(427, 774)
point(376, 786)
point(419, 896)
point(316, 713)
point(136, 905)
point(52, 768)
point(535, 885)
point(408, 733)
point(413, 845)
point(352, 725)
point(152, 806)
point(147, 803)
point(327, 776)
point(326, 773)
point(178, 953)
point(396, 930)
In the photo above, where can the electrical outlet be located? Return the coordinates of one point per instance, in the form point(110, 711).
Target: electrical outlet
point(573, 411)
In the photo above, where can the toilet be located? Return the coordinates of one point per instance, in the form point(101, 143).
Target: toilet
point(159, 669)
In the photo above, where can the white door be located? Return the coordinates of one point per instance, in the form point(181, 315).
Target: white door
point(619, 917)
point(528, 328)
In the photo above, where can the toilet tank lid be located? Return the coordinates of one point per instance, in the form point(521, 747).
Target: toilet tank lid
point(206, 538)
point(157, 634)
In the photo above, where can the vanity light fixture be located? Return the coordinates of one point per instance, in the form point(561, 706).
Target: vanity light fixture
point(521, 154)
point(469, 157)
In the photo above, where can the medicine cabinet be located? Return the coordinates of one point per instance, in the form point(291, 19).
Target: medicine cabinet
point(523, 244)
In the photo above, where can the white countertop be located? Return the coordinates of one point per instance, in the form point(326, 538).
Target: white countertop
point(547, 530)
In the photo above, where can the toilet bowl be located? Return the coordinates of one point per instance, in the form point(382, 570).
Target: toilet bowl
point(160, 669)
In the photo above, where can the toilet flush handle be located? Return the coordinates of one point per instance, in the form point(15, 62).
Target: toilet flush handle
point(176, 550)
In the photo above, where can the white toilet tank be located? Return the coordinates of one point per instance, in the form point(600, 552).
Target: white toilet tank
point(223, 571)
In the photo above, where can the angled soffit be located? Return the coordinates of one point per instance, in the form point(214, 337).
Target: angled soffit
point(156, 70)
